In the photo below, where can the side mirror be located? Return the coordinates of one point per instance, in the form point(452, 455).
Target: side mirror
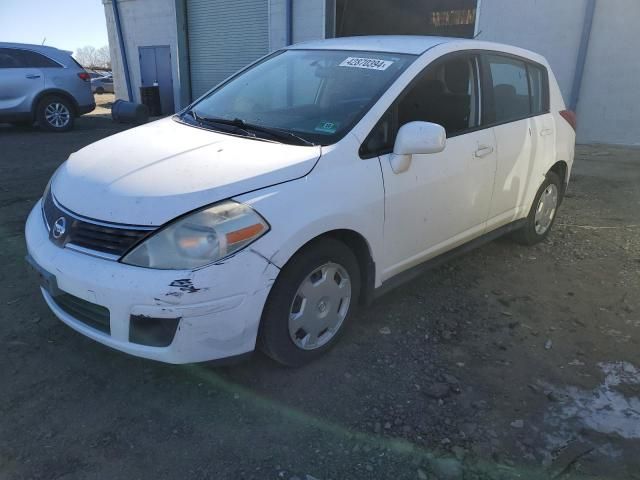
point(416, 138)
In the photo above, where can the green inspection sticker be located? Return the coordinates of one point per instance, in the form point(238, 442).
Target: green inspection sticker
point(327, 127)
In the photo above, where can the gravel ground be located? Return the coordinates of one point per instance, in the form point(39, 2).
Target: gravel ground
point(509, 362)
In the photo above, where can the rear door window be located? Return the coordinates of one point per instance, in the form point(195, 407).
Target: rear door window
point(510, 88)
point(9, 59)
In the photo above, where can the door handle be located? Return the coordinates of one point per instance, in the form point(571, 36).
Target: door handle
point(546, 131)
point(32, 76)
point(483, 151)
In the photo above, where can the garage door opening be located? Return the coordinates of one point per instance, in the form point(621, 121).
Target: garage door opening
point(449, 18)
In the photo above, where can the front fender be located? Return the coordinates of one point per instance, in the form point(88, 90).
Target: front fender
point(343, 192)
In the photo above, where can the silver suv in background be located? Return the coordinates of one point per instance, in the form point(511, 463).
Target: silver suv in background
point(42, 84)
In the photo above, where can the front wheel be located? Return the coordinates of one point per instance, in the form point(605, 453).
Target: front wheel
point(55, 114)
point(310, 303)
point(543, 212)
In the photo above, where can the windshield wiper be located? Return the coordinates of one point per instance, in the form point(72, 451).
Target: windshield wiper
point(274, 132)
point(247, 128)
point(220, 121)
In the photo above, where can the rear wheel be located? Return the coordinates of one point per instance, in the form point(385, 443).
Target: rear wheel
point(543, 212)
point(55, 114)
point(99, 90)
point(310, 303)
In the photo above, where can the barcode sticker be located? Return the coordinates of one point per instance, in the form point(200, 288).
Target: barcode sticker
point(368, 63)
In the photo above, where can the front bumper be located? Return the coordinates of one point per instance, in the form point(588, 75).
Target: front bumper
point(218, 307)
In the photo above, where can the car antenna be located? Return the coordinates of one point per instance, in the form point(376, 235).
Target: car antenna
point(43, 40)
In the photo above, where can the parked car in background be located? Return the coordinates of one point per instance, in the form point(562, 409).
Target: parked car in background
point(103, 84)
point(42, 84)
point(307, 184)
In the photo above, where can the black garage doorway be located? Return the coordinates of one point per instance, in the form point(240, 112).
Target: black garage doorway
point(451, 18)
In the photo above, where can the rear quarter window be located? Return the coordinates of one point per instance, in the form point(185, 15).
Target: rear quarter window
point(539, 85)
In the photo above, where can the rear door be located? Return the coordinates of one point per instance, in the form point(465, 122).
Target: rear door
point(520, 137)
point(542, 121)
point(20, 82)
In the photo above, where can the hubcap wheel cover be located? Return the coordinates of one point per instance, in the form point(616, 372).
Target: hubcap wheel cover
point(546, 210)
point(57, 114)
point(319, 306)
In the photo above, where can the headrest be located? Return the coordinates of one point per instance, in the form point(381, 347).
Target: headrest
point(433, 87)
point(456, 74)
point(504, 90)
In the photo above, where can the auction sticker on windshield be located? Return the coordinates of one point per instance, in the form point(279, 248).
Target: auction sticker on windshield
point(368, 63)
point(327, 127)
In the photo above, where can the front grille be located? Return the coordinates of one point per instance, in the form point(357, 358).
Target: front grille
point(92, 235)
point(95, 316)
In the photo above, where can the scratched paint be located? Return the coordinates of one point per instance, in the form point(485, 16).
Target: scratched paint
point(185, 285)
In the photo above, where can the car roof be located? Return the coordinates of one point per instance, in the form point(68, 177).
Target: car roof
point(63, 57)
point(412, 44)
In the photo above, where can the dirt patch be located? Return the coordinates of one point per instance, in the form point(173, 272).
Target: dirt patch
point(510, 362)
point(104, 103)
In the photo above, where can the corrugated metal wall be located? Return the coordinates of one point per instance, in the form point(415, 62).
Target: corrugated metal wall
point(224, 36)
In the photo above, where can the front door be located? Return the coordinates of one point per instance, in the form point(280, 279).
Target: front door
point(443, 199)
point(155, 69)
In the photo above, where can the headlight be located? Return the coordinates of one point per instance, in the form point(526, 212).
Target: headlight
point(200, 238)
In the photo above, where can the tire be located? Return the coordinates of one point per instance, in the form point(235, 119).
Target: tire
point(537, 227)
point(55, 114)
point(99, 90)
point(301, 298)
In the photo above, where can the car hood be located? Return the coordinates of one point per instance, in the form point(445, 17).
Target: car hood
point(154, 173)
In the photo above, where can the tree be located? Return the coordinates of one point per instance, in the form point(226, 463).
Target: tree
point(103, 57)
point(86, 56)
point(90, 57)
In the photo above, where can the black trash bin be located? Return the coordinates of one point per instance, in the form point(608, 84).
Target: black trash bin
point(129, 112)
point(150, 96)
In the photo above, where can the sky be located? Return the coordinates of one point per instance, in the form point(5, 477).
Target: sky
point(66, 24)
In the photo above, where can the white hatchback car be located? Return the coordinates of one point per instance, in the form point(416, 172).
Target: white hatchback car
point(301, 187)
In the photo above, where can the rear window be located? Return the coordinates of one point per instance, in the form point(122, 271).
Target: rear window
point(77, 64)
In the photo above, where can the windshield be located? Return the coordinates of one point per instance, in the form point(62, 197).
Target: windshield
point(314, 95)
